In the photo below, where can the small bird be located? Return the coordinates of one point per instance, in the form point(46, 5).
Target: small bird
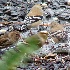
point(9, 39)
point(37, 39)
point(56, 26)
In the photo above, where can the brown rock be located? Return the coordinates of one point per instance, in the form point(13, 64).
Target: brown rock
point(9, 38)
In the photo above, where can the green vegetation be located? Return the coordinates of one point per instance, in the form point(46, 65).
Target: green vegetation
point(11, 59)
